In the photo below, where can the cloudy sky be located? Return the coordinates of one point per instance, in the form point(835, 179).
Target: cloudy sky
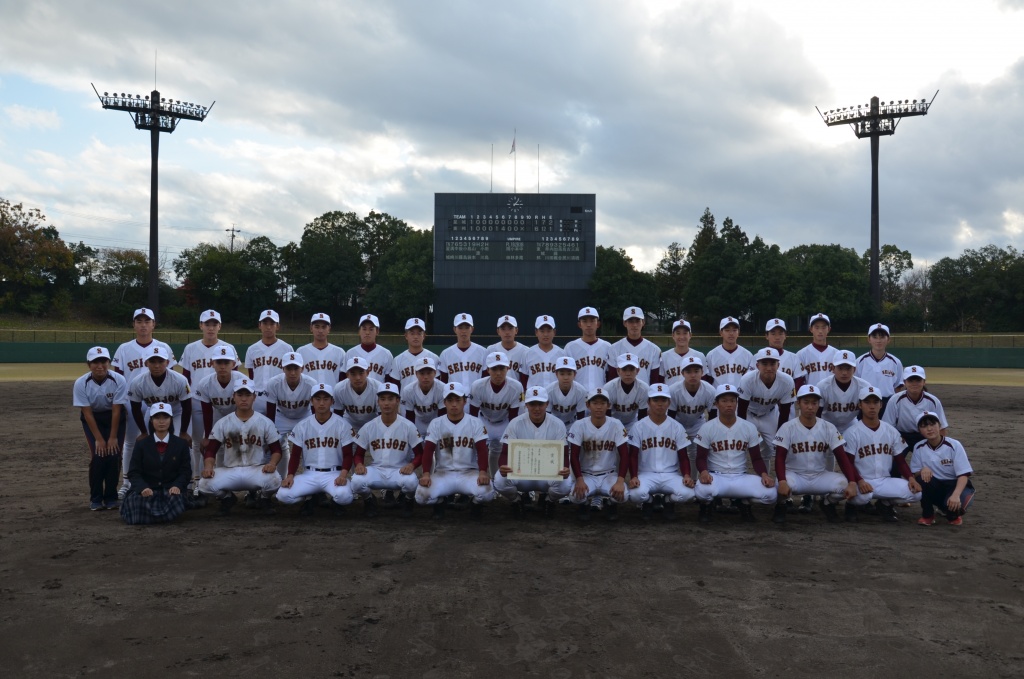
point(660, 108)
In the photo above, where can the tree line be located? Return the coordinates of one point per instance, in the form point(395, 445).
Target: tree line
point(348, 264)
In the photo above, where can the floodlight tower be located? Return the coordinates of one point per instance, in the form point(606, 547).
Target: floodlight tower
point(157, 115)
point(877, 119)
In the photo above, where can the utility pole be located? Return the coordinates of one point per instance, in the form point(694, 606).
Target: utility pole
point(157, 115)
point(233, 231)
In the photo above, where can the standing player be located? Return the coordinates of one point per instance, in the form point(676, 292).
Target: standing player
point(681, 355)
point(495, 400)
point(355, 398)
point(647, 352)
point(941, 466)
point(627, 393)
point(567, 399)
point(538, 367)
point(423, 400)
point(378, 359)
point(593, 355)
point(463, 362)
point(288, 401)
point(840, 393)
point(158, 384)
point(102, 396)
point(130, 360)
point(395, 451)
point(904, 410)
point(658, 459)
point(692, 399)
point(403, 368)
point(263, 359)
point(324, 361)
point(802, 466)
point(816, 357)
point(728, 362)
point(878, 367)
point(216, 393)
point(789, 363)
point(766, 396)
point(455, 457)
point(508, 328)
point(723, 445)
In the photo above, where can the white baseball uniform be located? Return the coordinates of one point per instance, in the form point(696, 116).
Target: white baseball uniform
point(219, 397)
point(403, 368)
point(763, 406)
point(816, 362)
point(567, 407)
point(101, 397)
point(873, 451)
point(319, 448)
point(324, 366)
point(378, 358)
point(691, 411)
point(626, 402)
point(902, 412)
point(592, 361)
point(947, 461)
point(197, 359)
point(264, 361)
point(130, 360)
point(661, 461)
point(515, 356)
point(789, 363)
point(805, 458)
point(597, 458)
point(359, 408)
point(523, 428)
point(727, 367)
point(672, 364)
point(838, 405)
point(246, 445)
point(292, 405)
point(884, 374)
point(456, 465)
point(425, 406)
point(390, 447)
point(463, 366)
point(725, 449)
point(496, 407)
point(647, 352)
point(538, 366)
point(172, 390)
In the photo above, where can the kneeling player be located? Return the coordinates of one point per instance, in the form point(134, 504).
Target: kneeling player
point(722, 448)
point(801, 458)
point(535, 424)
point(395, 451)
point(658, 460)
point(455, 456)
point(943, 470)
point(247, 437)
point(322, 444)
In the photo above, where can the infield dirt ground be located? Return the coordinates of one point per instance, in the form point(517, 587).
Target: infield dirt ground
point(82, 594)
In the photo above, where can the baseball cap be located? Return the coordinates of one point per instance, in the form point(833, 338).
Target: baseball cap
point(627, 360)
point(97, 353)
point(724, 389)
point(244, 384)
point(388, 388)
point(454, 389)
point(369, 318)
point(597, 392)
point(271, 314)
point(728, 320)
point(565, 363)
point(808, 390)
point(536, 395)
point(844, 358)
point(681, 324)
point(320, 387)
point(587, 311)
point(227, 353)
point(913, 371)
point(774, 323)
point(143, 311)
point(692, 361)
point(878, 327)
point(658, 391)
point(320, 317)
point(496, 358)
point(928, 413)
point(292, 358)
point(158, 352)
point(426, 362)
point(209, 315)
point(415, 323)
point(766, 354)
point(159, 409)
point(633, 312)
point(542, 321)
point(356, 362)
point(819, 317)
point(462, 318)
point(511, 320)
point(867, 392)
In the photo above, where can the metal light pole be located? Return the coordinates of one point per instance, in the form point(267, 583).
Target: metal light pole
point(877, 119)
point(156, 115)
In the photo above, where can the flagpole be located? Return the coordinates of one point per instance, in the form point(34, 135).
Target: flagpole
point(515, 163)
point(492, 168)
point(538, 168)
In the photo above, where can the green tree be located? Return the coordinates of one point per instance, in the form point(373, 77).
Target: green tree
point(124, 275)
point(34, 262)
point(892, 264)
point(981, 290)
point(331, 272)
point(828, 278)
point(403, 286)
point(616, 284)
point(261, 261)
point(669, 281)
point(379, 233)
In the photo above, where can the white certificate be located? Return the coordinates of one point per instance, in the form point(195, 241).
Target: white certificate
point(535, 460)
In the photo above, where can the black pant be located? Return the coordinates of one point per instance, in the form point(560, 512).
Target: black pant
point(104, 471)
point(936, 493)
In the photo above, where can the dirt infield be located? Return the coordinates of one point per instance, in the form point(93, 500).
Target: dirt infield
point(350, 597)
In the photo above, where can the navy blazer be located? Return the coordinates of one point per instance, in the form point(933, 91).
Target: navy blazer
point(150, 469)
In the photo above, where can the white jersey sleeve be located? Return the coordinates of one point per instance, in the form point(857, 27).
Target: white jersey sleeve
point(245, 443)
point(389, 445)
point(947, 461)
point(322, 443)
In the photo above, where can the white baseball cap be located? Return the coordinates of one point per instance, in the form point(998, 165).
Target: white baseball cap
point(454, 389)
point(157, 352)
point(728, 320)
point(681, 324)
point(867, 392)
point(369, 318)
point(320, 317)
point(148, 313)
point(928, 413)
point(462, 318)
point(844, 357)
point(415, 323)
point(159, 409)
point(819, 317)
point(723, 389)
point(356, 362)
point(627, 360)
point(658, 391)
point(544, 320)
point(565, 363)
point(96, 353)
point(633, 312)
point(496, 358)
point(774, 323)
point(808, 390)
point(766, 354)
point(388, 388)
point(511, 320)
point(913, 371)
point(292, 358)
point(536, 395)
point(209, 315)
point(227, 353)
point(244, 384)
point(271, 314)
point(692, 361)
point(878, 327)
point(588, 311)
point(426, 362)
point(321, 388)
point(597, 392)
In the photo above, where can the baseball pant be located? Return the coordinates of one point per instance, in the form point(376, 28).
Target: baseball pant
point(197, 439)
point(669, 484)
point(260, 404)
point(736, 486)
point(936, 493)
point(286, 451)
point(309, 482)
point(382, 478)
point(493, 454)
point(767, 427)
point(888, 488)
point(510, 488)
point(831, 484)
point(598, 485)
point(228, 479)
point(445, 483)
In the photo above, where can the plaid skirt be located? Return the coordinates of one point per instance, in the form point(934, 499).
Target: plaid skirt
point(160, 507)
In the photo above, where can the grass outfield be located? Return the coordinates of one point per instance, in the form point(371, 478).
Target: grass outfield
point(985, 377)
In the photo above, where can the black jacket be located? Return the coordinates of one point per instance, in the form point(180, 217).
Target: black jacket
point(150, 469)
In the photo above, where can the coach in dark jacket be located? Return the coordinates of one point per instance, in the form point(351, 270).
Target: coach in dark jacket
point(159, 472)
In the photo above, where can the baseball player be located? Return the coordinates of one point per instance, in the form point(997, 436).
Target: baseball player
point(324, 361)
point(158, 473)
point(816, 357)
point(322, 445)
point(941, 467)
point(538, 367)
point(263, 358)
point(647, 352)
point(595, 362)
point(627, 393)
point(875, 447)
point(878, 367)
point(355, 398)
point(840, 392)
point(455, 457)
point(463, 362)
point(158, 384)
point(536, 424)
point(728, 362)
point(658, 459)
point(691, 400)
point(789, 363)
point(802, 448)
point(723, 445)
point(288, 401)
point(216, 393)
point(508, 328)
point(674, 360)
point(495, 400)
point(378, 359)
point(247, 437)
point(129, 360)
point(403, 368)
point(395, 450)
point(196, 365)
point(907, 406)
point(598, 457)
point(567, 399)
point(766, 396)
point(102, 396)
point(423, 400)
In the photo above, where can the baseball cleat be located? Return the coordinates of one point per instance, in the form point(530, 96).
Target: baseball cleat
point(227, 503)
point(926, 521)
point(704, 513)
point(612, 514)
point(583, 513)
point(829, 510)
point(438, 511)
point(958, 521)
point(747, 513)
point(779, 515)
point(887, 512)
point(806, 505)
point(370, 507)
point(850, 513)
point(668, 511)
point(308, 507)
